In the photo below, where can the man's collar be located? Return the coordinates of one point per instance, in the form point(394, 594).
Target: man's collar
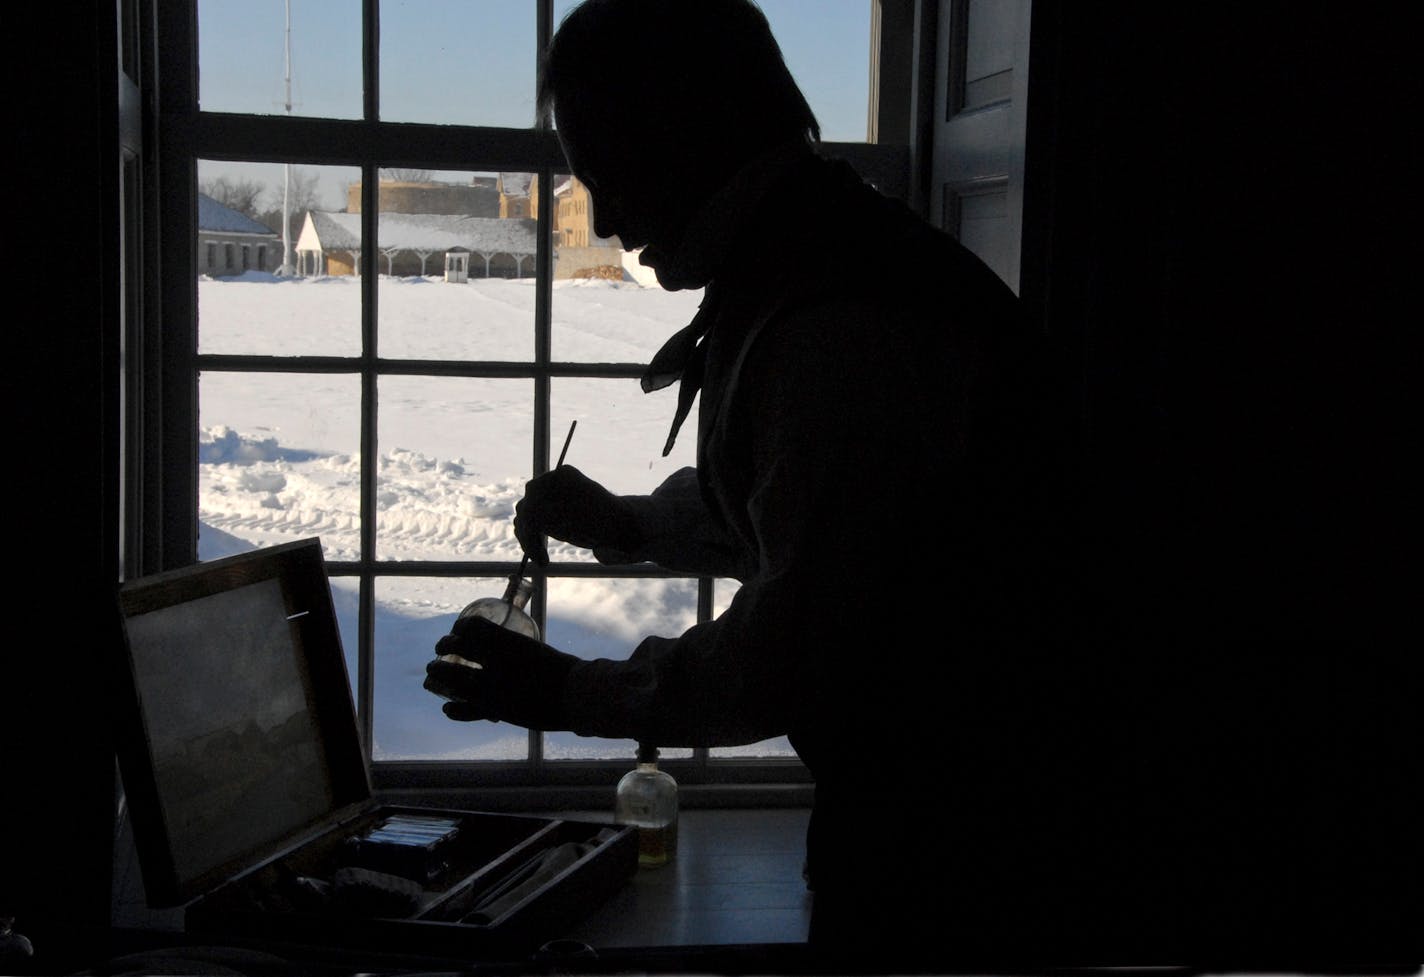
point(713, 230)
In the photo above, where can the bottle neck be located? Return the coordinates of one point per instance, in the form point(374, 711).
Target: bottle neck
point(519, 591)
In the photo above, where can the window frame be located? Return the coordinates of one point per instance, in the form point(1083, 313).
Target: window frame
point(166, 475)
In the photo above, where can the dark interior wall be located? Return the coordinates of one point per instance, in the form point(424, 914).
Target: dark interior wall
point(56, 757)
point(1244, 347)
point(1224, 246)
point(1222, 237)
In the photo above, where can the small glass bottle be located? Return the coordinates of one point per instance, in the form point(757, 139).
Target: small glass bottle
point(647, 798)
point(508, 611)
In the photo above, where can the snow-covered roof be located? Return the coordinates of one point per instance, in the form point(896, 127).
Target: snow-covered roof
point(215, 217)
point(339, 231)
point(516, 184)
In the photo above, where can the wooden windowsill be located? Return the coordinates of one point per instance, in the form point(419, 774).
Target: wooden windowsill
point(735, 880)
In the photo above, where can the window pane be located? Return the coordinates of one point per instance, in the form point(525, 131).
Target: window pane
point(412, 613)
point(473, 235)
point(602, 618)
point(453, 62)
point(454, 455)
point(247, 303)
point(277, 461)
point(600, 321)
point(243, 64)
point(561, 9)
point(346, 597)
point(778, 746)
point(826, 44)
point(723, 590)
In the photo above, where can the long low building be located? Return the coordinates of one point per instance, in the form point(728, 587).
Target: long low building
point(230, 243)
point(330, 244)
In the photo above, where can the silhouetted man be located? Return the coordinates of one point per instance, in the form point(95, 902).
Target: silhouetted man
point(872, 466)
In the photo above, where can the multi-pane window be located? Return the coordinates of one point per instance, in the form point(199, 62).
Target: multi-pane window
point(440, 316)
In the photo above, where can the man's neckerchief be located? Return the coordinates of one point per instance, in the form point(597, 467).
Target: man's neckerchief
point(684, 357)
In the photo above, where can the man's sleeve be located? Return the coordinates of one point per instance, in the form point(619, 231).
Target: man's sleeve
point(678, 533)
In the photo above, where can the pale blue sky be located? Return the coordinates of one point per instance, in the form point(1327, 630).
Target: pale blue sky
point(472, 62)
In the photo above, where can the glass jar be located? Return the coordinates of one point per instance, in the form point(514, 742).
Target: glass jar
point(647, 799)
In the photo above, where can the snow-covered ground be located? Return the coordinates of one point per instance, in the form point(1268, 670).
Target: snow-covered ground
point(279, 460)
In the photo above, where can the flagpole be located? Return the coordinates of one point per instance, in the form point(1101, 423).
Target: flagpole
point(287, 167)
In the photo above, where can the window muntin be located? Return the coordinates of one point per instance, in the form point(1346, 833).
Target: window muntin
point(383, 374)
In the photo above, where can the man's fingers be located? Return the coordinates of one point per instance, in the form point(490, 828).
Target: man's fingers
point(452, 680)
point(468, 635)
point(455, 644)
point(465, 712)
point(433, 684)
point(442, 677)
point(548, 504)
point(532, 542)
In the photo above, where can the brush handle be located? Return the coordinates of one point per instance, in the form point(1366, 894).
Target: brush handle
point(524, 562)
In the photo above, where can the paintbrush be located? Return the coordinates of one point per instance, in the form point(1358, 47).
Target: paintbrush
point(524, 563)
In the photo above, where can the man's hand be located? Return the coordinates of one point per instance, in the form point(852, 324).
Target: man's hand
point(518, 680)
point(568, 505)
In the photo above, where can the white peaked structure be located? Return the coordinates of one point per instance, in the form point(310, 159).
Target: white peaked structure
point(330, 243)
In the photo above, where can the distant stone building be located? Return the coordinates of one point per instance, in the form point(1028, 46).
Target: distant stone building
point(230, 242)
point(478, 198)
point(518, 195)
point(578, 251)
